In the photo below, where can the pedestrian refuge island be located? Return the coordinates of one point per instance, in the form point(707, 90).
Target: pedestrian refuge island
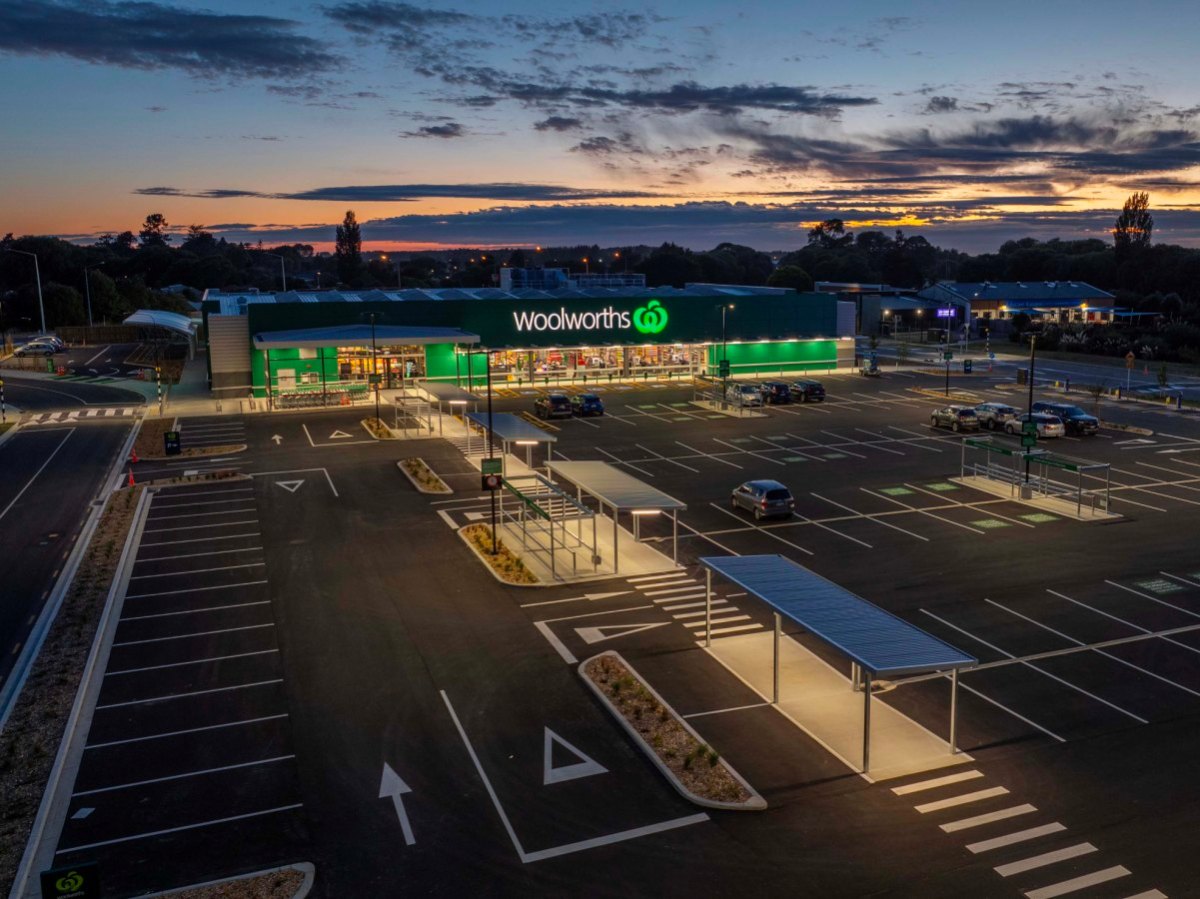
point(510, 432)
point(815, 696)
point(621, 493)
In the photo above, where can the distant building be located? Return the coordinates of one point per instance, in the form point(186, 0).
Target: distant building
point(999, 301)
point(559, 278)
point(880, 308)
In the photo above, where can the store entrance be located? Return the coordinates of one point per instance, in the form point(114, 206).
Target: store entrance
point(599, 363)
point(394, 364)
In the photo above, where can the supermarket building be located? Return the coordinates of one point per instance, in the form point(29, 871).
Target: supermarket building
point(287, 345)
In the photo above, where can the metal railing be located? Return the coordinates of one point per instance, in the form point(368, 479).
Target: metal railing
point(542, 512)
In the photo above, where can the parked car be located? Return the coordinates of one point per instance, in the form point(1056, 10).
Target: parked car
point(586, 404)
point(743, 395)
point(775, 392)
point(35, 349)
point(1074, 419)
point(763, 499)
point(808, 391)
point(1047, 425)
point(51, 339)
point(994, 416)
point(956, 418)
point(553, 405)
point(870, 371)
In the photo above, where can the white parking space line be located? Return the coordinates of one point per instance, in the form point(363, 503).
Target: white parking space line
point(761, 530)
point(186, 494)
point(791, 449)
point(200, 540)
point(965, 799)
point(184, 776)
point(740, 449)
point(726, 620)
point(189, 730)
point(238, 605)
point(936, 782)
point(1078, 883)
point(989, 818)
point(170, 696)
point(680, 597)
point(699, 635)
point(194, 590)
point(812, 444)
point(663, 458)
point(906, 442)
point(216, 552)
point(870, 444)
point(159, 833)
point(1046, 858)
point(870, 517)
point(200, 514)
point(1102, 652)
point(158, 504)
point(1136, 627)
point(98, 355)
point(710, 456)
point(647, 578)
point(197, 527)
point(1019, 836)
point(1042, 671)
point(236, 655)
point(224, 630)
point(826, 527)
point(957, 524)
point(1161, 602)
point(991, 513)
point(618, 461)
point(692, 605)
point(1149, 894)
point(137, 577)
point(1178, 578)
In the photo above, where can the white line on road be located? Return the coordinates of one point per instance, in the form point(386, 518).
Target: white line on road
point(736, 708)
point(190, 730)
point(138, 577)
point(1078, 883)
point(158, 833)
point(41, 468)
point(157, 780)
point(964, 799)
point(194, 590)
point(1046, 858)
point(225, 630)
point(199, 540)
point(990, 817)
point(141, 560)
point(236, 655)
point(198, 527)
point(238, 605)
point(1136, 627)
point(117, 705)
point(1019, 836)
point(936, 782)
point(711, 456)
point(762, 530)
point(870, 517)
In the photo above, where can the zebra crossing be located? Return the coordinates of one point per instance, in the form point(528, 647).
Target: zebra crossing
point(46, 418)
point(683, 598)
point(1033, 855)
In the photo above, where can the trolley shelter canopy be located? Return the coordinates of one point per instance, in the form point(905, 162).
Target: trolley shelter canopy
point(876, 640)
point(622, 493)
point(443, 392)
point(359, 335)
point(508, 428)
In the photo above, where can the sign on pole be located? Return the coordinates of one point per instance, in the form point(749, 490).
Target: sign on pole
point(1130, 359)
point(1029, 440)
point(171, 443)
point(947, 355)
point(723, 368)
point(491, 465)
point(491, 482)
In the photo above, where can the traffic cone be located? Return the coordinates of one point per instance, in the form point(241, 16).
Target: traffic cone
point(130, 484)
point(133, 457)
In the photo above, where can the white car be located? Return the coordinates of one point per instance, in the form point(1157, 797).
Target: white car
point(1047, 425)
point(36, 349)
point(744, 395)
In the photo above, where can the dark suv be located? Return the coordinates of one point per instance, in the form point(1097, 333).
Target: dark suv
point(554, 405)
point(809, 391)
point(776, 392)
point(586, 404)
point(1074, 419)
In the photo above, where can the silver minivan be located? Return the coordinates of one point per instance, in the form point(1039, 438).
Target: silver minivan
point(744, 395)
point(763, 499)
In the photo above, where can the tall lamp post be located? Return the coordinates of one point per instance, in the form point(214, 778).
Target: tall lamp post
point(38, 276)
point(374, 378)
point(487, 364)
point(282, 268)
point(725, 307)
point(87, 286)
point(1032, 361)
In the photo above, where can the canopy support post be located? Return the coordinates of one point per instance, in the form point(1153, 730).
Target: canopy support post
point(866, 721)
point(775, 681)
point(616, 544)
point(675, 536)
point(708, 607)
point(953, 711)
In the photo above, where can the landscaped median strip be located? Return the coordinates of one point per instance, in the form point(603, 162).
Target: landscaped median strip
point(693, 768)
point(504, 565)
point(422, 476)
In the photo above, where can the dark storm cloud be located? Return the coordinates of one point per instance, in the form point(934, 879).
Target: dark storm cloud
point(148, 35)
point(404, 193)
point(937, 105)
point(446, 131)
point(558, 123)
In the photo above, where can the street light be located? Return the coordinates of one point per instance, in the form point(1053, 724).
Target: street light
point(282, 268)
point(38, 275)
point(725, 307)
point(1032, 360)
point(383, 258)
point(87, 286)
point(373, 380)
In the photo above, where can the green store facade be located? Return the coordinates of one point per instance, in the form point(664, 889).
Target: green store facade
point(297, 345)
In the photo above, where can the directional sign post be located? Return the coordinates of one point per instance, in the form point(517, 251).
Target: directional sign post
point(492, 466)
point(171, 443)
point(1129, 360)
point(491, 482)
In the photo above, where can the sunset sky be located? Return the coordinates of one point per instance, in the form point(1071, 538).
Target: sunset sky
point(470, 123)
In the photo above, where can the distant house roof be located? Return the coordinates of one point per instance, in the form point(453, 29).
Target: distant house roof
point(1020, 293)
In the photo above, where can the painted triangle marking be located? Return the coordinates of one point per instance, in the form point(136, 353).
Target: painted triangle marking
point(585, 767)
point(592, 635)
point(290, 486)
point(338, 435)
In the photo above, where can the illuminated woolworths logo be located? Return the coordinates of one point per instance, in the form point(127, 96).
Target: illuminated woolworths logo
point(648, 319)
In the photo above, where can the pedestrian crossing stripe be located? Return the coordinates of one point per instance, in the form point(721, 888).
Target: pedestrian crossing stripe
point(82, 415)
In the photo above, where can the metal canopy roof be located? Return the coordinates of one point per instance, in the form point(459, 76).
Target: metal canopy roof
point(445, 392)
point(172, 321)
point(360, 335)
point(614, 487)
point(876, 639)
point(507, 426)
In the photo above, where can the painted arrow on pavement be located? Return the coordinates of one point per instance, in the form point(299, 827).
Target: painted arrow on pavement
point(592, 597)
point(278, 439)
point(391, 786)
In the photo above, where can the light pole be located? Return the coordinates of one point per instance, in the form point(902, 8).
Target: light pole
point(1033, 426)
point(487, 364)
point(374, 366)
point(586, 270)
point(399, 283)
point(282, 268)
point(38, 276)
point(87, 286)
point(725, 307)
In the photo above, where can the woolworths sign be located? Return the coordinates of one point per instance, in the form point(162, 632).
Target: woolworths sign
point(649, 319)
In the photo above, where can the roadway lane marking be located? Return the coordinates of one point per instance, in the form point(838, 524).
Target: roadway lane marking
point(197, 527)
point(158, 833)
point(667, 599)
point(792, 449)
point(196, 570)
point(1149, 894)
point(118, 705)
point(699, 635)
point(1042, 671)
point(1094, 649)
point(727, 620)
point(812, 444)
point(238, 655)
point(1046, 858)
point(215, 552)
point(1178, 578)
point(693, 605)
point(1078, 883)
point(826, 527)
point(41, 468)
point(199, 540)
point(963, 799)
point(656, 577)
point(98, 355)
point(190, 730)
point(869, 517)
point(1019, 836)
point(263, 474)
point(990, 817)
point(971, 506)
point(936, 782)
point(227, 630)
point(568, 848)
point(622, 462)
point(157, 780)
point(194, 590)
point(239, 605)
point(889, 499)
point(868, 443)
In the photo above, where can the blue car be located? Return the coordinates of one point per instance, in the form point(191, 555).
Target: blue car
point(586, 404)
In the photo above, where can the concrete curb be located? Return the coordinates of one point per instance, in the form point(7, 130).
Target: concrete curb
point(305, 868)
point(484, 562)
point(39, 851)
point(420, 488)
point(754, 804)
point(1128, 429)
point(224, 451)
